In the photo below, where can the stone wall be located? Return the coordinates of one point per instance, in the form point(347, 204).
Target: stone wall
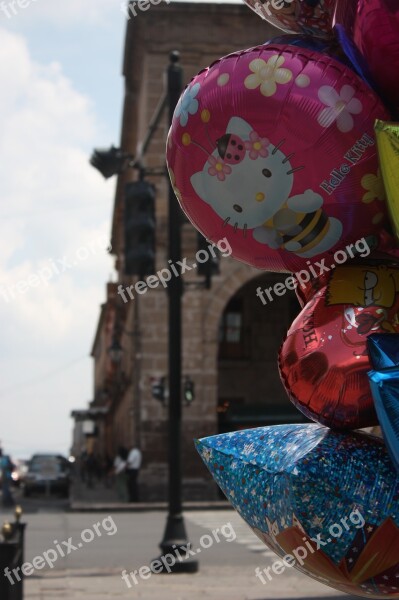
point(202, 33)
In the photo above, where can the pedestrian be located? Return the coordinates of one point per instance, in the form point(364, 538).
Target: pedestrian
point(108, 470)
point(132, 471)
point(120, 474)
point(91, 469)
point(82, 465)
point(7, 468)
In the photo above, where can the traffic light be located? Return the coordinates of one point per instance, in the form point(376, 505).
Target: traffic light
point(211, 266)
point(189, 390)
point(139, 226)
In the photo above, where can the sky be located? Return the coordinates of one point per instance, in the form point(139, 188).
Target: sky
point(61, 96)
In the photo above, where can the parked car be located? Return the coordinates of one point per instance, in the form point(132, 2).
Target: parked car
point(47, 473)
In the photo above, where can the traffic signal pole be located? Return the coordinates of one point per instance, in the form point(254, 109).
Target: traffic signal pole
point(175, 535)
point(110, 162)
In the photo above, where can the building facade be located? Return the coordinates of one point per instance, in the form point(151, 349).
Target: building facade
point(230, 339)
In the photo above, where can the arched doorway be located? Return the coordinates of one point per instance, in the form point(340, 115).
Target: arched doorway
point(250, 393)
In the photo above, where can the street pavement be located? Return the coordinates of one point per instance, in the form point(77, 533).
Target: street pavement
point(211, 583)
point(130, 541)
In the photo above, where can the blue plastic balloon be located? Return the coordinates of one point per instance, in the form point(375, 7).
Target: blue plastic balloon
point(356, 60)
point(385, 389)
point(384, 382)
point(305, 41)
point(383, 350)
point(326, 502)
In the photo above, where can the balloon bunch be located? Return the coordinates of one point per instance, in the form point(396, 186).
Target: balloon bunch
point(289, 151)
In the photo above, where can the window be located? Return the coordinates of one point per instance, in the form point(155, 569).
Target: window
point(232, 333)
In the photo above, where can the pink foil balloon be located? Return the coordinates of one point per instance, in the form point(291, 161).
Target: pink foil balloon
point(376, 33)
point(274, 149)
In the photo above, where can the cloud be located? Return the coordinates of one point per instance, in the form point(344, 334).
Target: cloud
point(55, 210)
point(65, 13)
point(75, 12)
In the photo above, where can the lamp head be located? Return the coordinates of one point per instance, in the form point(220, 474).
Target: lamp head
point(110, 161)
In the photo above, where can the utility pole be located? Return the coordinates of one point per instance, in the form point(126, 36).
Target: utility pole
point(175, 535)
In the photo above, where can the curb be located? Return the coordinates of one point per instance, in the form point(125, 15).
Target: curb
point(80, 506)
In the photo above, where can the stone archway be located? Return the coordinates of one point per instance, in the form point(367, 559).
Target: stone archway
point(238, 277)
point(245, 375)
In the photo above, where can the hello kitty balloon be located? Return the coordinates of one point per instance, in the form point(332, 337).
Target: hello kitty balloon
point(274, 149)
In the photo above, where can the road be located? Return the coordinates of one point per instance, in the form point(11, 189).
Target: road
point(97, 547)
point(132, 538)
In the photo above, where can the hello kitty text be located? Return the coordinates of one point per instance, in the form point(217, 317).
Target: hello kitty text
point(353, 156)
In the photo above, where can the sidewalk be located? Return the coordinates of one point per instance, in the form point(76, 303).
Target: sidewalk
point(104, 499)
point(210, 583)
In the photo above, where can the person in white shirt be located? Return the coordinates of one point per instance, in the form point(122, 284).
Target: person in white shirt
point(133, 465)
point(121, 479)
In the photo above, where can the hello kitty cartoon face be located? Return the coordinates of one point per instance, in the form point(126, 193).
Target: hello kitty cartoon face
point(249, 187)
point(247, 181)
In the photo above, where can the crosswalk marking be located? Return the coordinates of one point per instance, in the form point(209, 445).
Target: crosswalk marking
point(245, 536)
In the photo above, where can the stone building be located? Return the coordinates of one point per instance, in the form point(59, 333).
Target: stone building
point(230, 340)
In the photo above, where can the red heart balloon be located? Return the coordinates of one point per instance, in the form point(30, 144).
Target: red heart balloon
point(324, 360)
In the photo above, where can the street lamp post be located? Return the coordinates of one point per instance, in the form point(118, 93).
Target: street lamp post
point(175, 535)
point(110, 162)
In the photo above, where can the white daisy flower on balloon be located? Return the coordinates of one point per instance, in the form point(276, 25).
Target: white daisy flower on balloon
point(268, 75)
point(340, 107)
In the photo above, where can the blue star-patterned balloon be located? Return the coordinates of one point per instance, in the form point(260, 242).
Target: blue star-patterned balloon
point(305, 489)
